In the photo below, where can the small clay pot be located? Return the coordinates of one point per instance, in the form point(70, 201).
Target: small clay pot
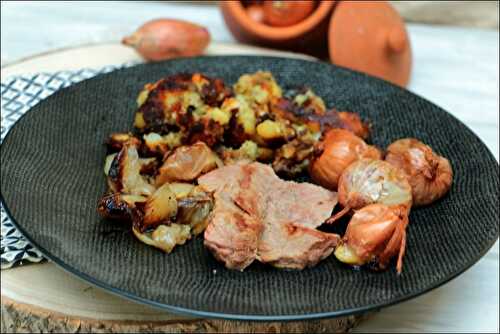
point(308, 36)
point(370, 36)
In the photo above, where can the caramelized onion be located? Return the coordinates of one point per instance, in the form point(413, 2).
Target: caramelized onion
point(429, 174)
point(340, 149)
point(375, 234)
point(187, 163)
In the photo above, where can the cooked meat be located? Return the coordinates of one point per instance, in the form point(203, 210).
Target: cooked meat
point(288, 213)
point(218, 178)
point(232, 235)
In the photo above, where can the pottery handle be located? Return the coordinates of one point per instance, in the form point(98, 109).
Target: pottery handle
point(397, 39)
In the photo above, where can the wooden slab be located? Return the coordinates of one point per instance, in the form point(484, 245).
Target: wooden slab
point(44, 298)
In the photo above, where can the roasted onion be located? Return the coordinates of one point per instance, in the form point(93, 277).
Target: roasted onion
point(340, 148)
point(124, 172)
point(160, 207)
point(429, 174)
point(369, 181)
point(186, 163)
point(164, 237)
point(375, 234)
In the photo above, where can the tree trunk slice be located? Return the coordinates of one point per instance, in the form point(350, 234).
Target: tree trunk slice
point(44, 298)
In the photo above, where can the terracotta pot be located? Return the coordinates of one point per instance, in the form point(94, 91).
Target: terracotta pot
point(370, 36)
point(308, 36)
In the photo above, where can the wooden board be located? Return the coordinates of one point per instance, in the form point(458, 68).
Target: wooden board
point(44, 298)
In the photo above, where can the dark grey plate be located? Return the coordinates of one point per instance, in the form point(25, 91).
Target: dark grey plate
point(52, 176)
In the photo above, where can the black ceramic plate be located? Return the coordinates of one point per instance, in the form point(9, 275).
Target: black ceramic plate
point(52, 176)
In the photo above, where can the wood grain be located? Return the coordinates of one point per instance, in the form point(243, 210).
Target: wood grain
point(24, 318)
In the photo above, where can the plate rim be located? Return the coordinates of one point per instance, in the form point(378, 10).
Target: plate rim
point(233, 316)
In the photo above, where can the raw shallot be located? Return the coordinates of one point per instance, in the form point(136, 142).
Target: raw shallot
point(162, 39)
point(287, 13)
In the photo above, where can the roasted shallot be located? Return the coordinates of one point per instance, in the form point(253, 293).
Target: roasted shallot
point(369, 181)
point(429, 174)
point(339, 149)
point(186, 163)
point(375, 234)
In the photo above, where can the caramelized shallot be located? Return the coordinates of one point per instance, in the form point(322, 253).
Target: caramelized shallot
point(429, 174)
point(375, 234)
point(186, 163)
point(124, 172)
point(340, 148)
point(369, 181)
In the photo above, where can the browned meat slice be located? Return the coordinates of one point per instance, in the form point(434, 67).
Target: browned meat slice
point(290, 213)
point(283, 215)
point(232, 235)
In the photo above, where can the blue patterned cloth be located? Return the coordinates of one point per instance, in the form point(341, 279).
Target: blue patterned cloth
point(19, 94)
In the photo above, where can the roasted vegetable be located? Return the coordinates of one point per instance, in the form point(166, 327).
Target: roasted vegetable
point(160, 207)
point(116, 206)
point(338, 150)
point(116, 141)
point(186, 163)
point(370, 181)
point(194, 211)
point(184, 103)
point(375, 234)
point(430, 175)
point(124, 173)
point(165, 237)
point(352, 122)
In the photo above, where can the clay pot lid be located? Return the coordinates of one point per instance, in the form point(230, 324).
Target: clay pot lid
point(371, 37)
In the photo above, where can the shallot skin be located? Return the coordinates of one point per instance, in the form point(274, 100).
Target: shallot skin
point(429, 174)
point(286, 13)
point(368, 181)
point(375, 234)
point(163, 39)
point(340, 149)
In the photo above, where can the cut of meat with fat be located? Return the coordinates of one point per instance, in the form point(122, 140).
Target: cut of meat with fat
point(286, 213)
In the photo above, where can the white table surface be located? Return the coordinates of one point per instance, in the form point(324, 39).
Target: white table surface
point(456, 68)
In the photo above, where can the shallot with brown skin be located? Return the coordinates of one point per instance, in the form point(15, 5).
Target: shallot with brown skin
point(339, 148)
point(287, 13)
point(163, 39)
point(369, 181)
point(375, 234)
point(429, 174)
